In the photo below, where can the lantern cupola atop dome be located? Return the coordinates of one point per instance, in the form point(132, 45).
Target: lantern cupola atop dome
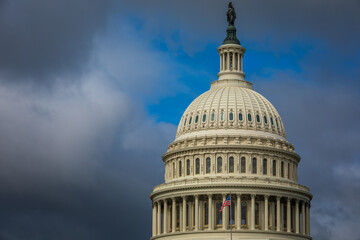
point(231, 55)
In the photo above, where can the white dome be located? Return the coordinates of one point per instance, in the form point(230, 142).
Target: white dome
point(231, 107)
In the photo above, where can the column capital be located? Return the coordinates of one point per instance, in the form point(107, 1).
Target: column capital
point(196, 195)
point(266, 196)
point(173, 199)
point(253, 195)
point(297, 201)
point(288, 199)
point(278, 197)
point(209, 195)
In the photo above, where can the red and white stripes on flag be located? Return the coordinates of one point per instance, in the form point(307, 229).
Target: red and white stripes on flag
point(226, 203)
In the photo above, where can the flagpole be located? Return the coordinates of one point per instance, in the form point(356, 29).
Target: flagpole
point(230, 219)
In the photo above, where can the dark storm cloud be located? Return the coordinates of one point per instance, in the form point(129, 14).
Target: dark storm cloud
point(320, 122)
point(40, 40)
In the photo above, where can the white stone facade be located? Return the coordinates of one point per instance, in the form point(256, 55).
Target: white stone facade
point(231, 140)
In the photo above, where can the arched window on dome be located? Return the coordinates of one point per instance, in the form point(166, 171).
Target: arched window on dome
point(282, 169)
point(249, 117)
point(180, 167)
point(240, 117)
point(231, 164)
point(257, 214)
point(204, 117)
point(177, 216)
point(272, 121)
point(219, 164)
point(197, 166)
point(218, 213)
point(257, 118)
point(274, 168)
point(196, 118)
point(231, 116)
point(173, 166)
point(185, 121)
point(208, 165)
point(190, 120)
point(212, 117)
point(265, 167)
point(232, 214)
point(221, 116)
point(265, 120)
point(288, 171)
point(243, 164)
point(243, 213)
point(254, 165)
point(206, 214)
point(188, 167)
point(277, 124)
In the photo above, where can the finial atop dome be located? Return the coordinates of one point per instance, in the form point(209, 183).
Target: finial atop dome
point(231, 30)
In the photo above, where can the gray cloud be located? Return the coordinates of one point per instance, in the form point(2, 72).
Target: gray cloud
point(41, 40)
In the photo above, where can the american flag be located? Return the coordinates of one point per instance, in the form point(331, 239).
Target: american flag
point(226, 203)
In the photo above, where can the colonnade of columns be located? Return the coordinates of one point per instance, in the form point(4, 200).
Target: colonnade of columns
point(231, 61)
point(249, 212)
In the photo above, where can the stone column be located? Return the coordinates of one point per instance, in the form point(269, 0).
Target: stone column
point(308, 219)
point(238, 211)
point(252, 219)
point(154, 219)
point(173, 227)
point(181, 217)
point(278, 213)
point(228, 66)
point(223, 61)
point(210, 217)
point(184, 214)
point(159, 218)
point(266, 212)
point(165, 217)
point(196, 212)
point(241, 59)
point(220, 62)
point(201, 215)
point(288, 213)
point(297, 216)
point(224, 225)
point(303, 218)
point(238, 62)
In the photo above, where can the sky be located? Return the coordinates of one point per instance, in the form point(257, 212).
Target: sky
point(91, 93)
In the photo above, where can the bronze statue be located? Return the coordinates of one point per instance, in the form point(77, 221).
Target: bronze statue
point(231, 15)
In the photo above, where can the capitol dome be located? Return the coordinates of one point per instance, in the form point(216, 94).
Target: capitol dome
point(231, 147)
point(233, 108)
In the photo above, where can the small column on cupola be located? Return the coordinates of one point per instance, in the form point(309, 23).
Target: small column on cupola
point(231, 52)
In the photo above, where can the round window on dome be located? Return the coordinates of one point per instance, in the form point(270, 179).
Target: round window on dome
point(240, 116)
point(265, 120)
point(196, 118)
point(204, 118)
point(231, 116)
point(249, 117)
point(258, 118)
point(212, 117)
